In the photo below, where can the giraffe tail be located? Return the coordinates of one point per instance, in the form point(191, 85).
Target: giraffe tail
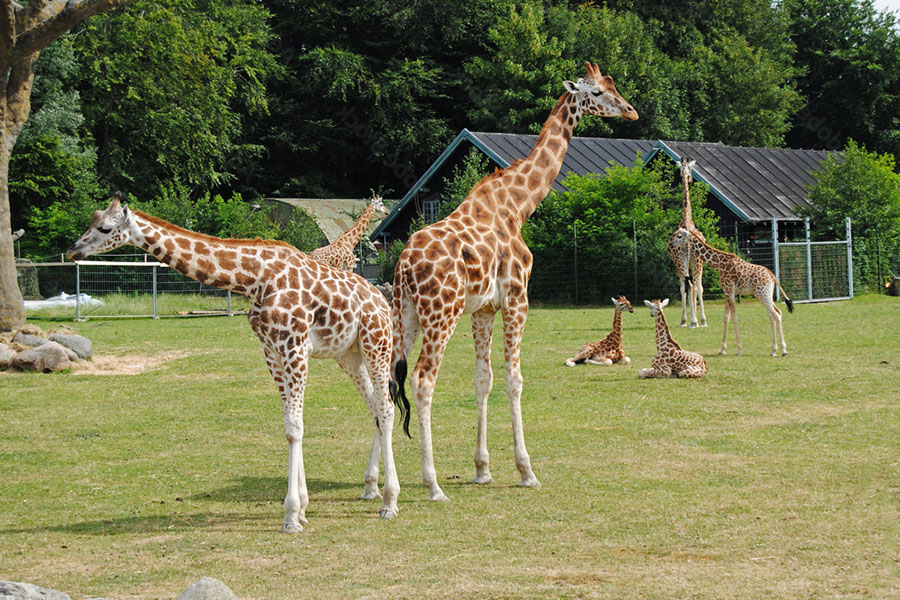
point(398, 393)
point(787, 301)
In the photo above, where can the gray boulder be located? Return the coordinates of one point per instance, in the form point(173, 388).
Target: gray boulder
point(77, 343)
point(27, 339)
point(6, 356)
point(27, 591)
point(207, 588)
point(46, 358)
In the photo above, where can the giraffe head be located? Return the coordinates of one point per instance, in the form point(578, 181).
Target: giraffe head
point(656, 306)
point(378, 204)
point(622, 304)
point(108, 231)
point(596, 94)
point(682, 237)
point(686, 166)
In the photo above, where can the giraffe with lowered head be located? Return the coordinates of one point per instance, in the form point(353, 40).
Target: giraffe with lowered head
point(737, 276)
point(475, 261)
point(339, 253)
point(300, 308)
point(687, 262)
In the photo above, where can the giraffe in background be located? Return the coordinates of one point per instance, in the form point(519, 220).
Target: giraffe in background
point(300, 309)
point(737, 276)
point(609, 350)
point(670, 359)
point(686, 262)
point(475, 261)
point(339, 253)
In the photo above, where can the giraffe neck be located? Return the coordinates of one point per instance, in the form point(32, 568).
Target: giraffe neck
point(545, 160)
point(686, 216)
point(717, 259)
point(351, 237)
point(615, 335)
point(663, 337)
point(210, 260)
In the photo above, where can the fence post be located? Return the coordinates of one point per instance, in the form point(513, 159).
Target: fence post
point(634, 267)
point(575, 232)
point(230, 314)
point(809, 288)
point(155, 315)
point(775, 261)
point(77, 292)
point(849, 255)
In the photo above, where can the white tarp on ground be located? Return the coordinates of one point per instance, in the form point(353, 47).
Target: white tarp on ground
point(63, 299)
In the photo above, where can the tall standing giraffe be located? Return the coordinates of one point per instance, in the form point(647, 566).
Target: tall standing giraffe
point(475, 261)
point(300, 308)
point(737, 276)
point(339, 253)
point(687, 262)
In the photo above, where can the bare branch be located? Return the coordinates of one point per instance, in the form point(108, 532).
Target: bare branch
point(56, 18)
point(17, 234)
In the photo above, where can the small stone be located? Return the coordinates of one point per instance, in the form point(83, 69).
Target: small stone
point(26, 591)
point(6, 355)
point(79, 344)
point(208, 588)
point(46, 358)
point(27, 339)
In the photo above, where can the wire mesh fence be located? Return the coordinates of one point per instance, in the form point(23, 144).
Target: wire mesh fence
point(135, 287)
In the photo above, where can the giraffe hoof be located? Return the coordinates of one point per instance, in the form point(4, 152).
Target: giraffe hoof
point(483, 479)
point(438, 496)
point(291, 528)
point(530, 482)
point(370, 495)
point(389, 512)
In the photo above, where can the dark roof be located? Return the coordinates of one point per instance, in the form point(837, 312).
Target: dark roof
point(755, 184)
point(585, 155)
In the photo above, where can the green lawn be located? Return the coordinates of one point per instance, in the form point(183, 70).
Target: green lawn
point(769, 478)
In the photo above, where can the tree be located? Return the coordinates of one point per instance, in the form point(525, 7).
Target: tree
point(24, 32)
point(850, 55)
point(861, 185)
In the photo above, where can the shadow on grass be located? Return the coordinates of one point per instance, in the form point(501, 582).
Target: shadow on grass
point(261, 491)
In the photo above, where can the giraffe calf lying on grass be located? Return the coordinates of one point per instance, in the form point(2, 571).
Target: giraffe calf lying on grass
point(670, 360)
point(609, 350)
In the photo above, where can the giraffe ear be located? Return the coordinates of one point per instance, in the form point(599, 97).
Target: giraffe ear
point(571, 86)
point(664, 303)
point(614, 300)
point(648, 303)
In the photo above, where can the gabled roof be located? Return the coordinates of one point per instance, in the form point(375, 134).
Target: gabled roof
point(332, 215)
point(755, 184)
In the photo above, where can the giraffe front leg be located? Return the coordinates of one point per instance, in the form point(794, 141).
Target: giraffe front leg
point(482, 333)
point(296, 500)
point(513, 326)
point(729, 303)
point(698, 282)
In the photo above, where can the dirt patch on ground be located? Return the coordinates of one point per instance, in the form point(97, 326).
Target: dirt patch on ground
point(133, 364)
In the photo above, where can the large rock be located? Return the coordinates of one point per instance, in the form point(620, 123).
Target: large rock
point(6, 355)
point(27, 591)
point(208, 588)
point(80, 345)
point(28, 339)
point(45, 358)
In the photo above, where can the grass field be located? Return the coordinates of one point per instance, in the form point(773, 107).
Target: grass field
point(769, 478)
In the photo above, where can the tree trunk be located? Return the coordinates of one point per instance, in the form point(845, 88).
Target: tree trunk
point(24, 32)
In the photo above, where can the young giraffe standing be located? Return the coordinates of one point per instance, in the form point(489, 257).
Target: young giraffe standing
point(339, 253)
point(300, 309)
point(670, 359)
point(609, 350)
point(737, 276)
point(686, 262)
point(475, 261)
